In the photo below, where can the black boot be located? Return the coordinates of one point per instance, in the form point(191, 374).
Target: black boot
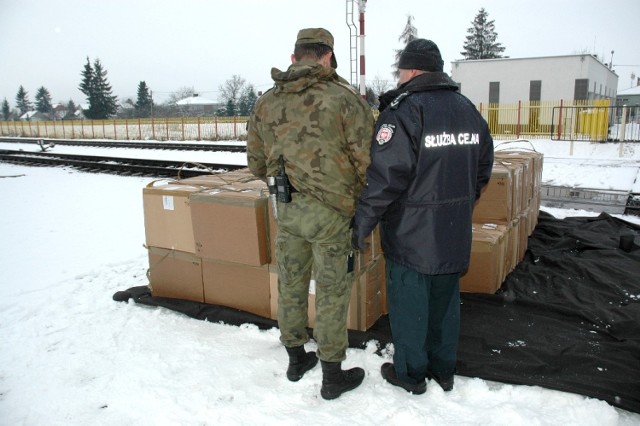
point(336, 381)
point(300, 362)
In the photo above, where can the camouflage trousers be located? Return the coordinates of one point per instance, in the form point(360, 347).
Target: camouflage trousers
point(312, 236)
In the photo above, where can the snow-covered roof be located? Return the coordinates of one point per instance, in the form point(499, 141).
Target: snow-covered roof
point(630, 91)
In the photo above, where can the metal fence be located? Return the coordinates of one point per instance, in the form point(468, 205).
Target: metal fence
point(173, 129)
point(594, 121)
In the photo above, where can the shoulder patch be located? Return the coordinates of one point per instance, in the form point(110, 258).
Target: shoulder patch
point(394, 103)
point(385, 133)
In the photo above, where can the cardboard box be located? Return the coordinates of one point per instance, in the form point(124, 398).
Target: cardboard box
point(485, 273)
point(175, 274)
point(230, 226)
point(167, 216)
point(206, 181)
point(496, 203)
point(237, 286)
point(368, 297)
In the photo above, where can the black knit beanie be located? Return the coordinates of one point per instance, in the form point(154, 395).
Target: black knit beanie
point(421, 54)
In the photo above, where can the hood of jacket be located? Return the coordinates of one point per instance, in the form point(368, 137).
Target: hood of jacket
point(300, 76)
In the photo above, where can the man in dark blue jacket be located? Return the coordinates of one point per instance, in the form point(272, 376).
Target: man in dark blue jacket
point(431, 156)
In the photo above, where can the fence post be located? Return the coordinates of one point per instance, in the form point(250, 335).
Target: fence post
point(560, 120)
point(182, 128)
point(126, 126)
point(153, 129)
point(518, 124)
point(199, 137)
point(115, 131)
point(139, 129)
point(235, 127)
point(166, 125)
point(215, 123)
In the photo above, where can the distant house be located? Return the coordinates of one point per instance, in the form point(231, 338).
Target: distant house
point(34, 116)
point(551, 78)
point(198, 106)
point(629, 97)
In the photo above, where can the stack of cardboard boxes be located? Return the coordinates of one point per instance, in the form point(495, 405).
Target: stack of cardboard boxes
point(211, 239)
point(503, 219)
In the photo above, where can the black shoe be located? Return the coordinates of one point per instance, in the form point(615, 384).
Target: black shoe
point(389, 374)
point(446, 383)
point(336, 381)
point(300, 362)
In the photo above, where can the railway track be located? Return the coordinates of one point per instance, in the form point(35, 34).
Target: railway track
point(174, 146)
point(116, 165)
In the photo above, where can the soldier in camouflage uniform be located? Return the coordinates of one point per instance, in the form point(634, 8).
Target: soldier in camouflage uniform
point(322, 129)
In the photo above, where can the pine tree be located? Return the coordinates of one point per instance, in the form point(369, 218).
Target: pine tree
point(144, 104)
point(6, 110)
point(71, 110)
point(230, 109)
point(481, 41)
point(22, 101)
point(94, 85)
point(247, 101)
point(409, 33)
point(43, 100)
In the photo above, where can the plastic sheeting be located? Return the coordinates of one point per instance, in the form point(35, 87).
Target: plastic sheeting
point(567, 318)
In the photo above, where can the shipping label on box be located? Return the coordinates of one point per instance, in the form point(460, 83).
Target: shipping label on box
point(175, 274)
point(231, 226)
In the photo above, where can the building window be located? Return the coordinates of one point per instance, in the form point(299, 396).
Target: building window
point(535, 90)
point(580, 91)
point(494, 92)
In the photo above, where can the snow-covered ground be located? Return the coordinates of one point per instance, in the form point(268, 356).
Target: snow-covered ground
point(70, 355)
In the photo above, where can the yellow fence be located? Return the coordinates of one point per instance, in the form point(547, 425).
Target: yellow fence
point(567, 120)
point(170, 129)
point(583, 120)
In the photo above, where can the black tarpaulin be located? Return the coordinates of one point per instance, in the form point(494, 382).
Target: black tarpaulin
point(567, 318)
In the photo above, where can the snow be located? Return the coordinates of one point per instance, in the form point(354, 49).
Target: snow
point(70, 355)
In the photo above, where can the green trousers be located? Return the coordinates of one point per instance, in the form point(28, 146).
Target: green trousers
point(312, 236)
point(424, 315)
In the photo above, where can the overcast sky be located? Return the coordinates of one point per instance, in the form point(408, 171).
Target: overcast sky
point(202, 43)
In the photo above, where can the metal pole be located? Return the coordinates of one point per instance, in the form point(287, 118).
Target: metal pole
point(363, 88)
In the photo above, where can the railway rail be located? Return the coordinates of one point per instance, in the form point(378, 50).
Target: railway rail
point(116, 165)
point(174, 146)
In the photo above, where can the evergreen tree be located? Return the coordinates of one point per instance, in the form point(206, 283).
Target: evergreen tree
point(71, 110)
point(22, 101)
point(94, 85)
point(230, 109)
point(43, 100)
point(6, 110)
point(481, 41)
point(247, 101)
point(144, 104)
point(409, 33)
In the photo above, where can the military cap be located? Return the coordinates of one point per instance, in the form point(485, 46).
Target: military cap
point(317, 36)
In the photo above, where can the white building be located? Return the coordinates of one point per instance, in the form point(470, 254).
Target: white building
point(550, 78)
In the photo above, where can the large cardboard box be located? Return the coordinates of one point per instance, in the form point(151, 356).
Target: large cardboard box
point(237, 286)
point(496, 203)
point(231, 225)
point(485, 273)
point(175, 274)
point(167, 216)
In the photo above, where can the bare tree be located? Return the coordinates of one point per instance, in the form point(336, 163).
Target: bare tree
point(232, 90)
point(178, 95)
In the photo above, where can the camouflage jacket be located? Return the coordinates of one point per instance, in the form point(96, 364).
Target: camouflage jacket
point(323, 129)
